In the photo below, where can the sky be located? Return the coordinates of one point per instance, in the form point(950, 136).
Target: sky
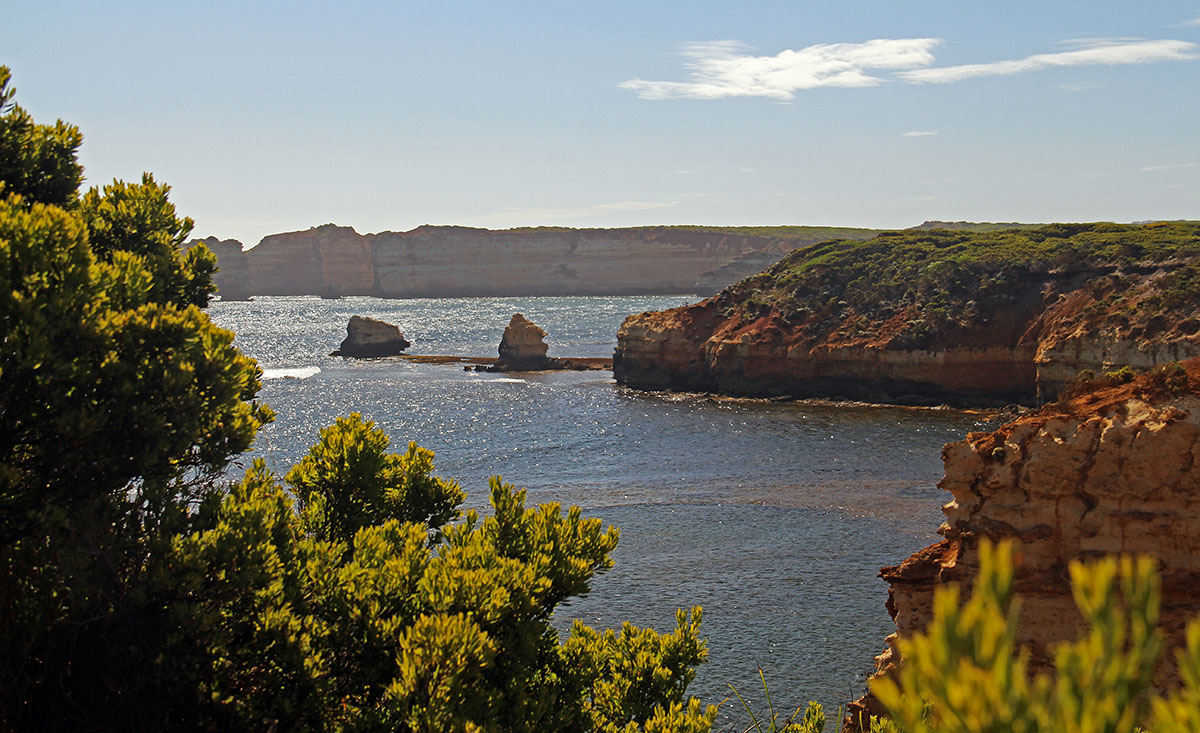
point(267, 117)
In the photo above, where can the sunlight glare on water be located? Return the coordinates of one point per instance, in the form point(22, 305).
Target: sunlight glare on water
point(775, 517)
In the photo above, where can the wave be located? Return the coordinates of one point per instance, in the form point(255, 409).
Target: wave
point(291, 373)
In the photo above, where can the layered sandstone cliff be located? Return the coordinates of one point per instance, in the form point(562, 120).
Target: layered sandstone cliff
point(326, 260)
point(931, 317)
point(1116, 470)
point(460, 261)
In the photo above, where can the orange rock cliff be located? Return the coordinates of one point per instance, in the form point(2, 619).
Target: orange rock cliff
point(929, 317)
point(1115, 470)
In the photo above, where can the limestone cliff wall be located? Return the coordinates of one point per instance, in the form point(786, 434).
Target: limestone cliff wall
point(434, 261)
point(460, 261)
point(326, 260)
point(750, 263)
point(1113, 471)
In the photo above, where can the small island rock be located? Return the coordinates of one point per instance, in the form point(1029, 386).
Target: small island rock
point(371, 337)
point(523, 346)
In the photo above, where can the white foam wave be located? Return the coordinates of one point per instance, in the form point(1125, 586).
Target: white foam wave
point(291, 373)
point(507, 379)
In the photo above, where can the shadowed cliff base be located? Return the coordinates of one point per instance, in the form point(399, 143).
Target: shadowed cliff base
point(936, 316)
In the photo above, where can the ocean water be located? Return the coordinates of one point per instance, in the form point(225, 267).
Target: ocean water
point(775, 517)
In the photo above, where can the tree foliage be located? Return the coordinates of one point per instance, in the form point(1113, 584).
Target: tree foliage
point(37, 162)
point(139, 589)
point(348, 481)
point(138, 219)
point(966, 673)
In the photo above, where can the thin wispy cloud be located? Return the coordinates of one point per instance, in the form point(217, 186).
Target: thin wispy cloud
point(721, 69)
point(919, 133)
point(1168, 167)
point(1096, 52)
point(583, 212)
point(1194, 22)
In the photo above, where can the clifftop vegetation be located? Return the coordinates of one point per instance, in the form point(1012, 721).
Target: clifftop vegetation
point(906, 287)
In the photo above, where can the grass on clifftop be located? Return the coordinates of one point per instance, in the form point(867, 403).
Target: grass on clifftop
point(929, 282)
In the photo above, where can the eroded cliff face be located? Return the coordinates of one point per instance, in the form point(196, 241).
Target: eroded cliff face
point(700, 348)
point(459, 261)
point(1116, 470)
point(327, 260)
point(440, 261)
point(948, 335)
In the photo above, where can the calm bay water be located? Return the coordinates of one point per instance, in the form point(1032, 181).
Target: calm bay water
point(775, 517)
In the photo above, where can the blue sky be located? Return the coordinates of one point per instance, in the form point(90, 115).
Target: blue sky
point(273, 116)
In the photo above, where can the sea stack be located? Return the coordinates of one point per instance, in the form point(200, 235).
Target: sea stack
point(366, 337)
point(523, 346)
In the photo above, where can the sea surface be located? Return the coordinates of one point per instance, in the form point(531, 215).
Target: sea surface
point(775, 517)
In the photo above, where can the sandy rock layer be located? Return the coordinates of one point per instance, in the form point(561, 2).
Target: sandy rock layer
point(1116, 470)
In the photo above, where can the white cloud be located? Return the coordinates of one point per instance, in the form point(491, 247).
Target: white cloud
point(1193, 22)
point(919, 133)
point(1095, 52)
point(1167, 167)
point(721, 69)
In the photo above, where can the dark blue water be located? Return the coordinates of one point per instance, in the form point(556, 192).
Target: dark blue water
point(775, 517)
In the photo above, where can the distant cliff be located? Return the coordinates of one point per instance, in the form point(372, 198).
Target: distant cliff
point(459, 261)
point(930, 316)
point(1112, 470)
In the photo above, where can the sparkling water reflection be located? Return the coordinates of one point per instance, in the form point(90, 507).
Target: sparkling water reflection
point(775, 517)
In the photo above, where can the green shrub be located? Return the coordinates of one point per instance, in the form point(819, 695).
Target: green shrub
point(967, 276)
point(1124, 375)
point(140, 591)
point(966, 672)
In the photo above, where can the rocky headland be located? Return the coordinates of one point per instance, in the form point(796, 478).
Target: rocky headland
point(449, 261)
point(935, 316)
point(1113, 469)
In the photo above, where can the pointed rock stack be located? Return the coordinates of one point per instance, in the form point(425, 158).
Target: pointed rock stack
point(523, 346)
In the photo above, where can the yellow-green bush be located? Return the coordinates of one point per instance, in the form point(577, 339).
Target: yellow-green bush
point(966, 673)
point(140, 591)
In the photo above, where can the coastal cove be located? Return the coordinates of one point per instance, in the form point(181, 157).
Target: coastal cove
point(775, 517)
